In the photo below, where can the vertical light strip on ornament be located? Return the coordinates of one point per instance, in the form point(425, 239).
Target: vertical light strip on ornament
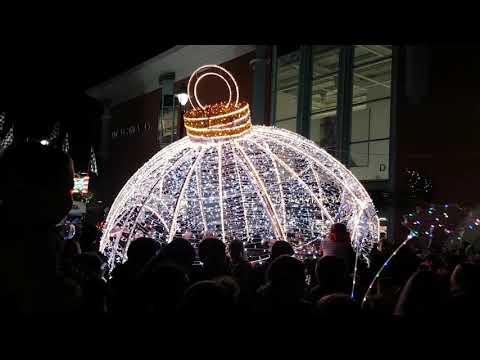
point(160, 200)
point(160, 187)
point(2, 120)
point(279, 183)
point(295, 175)
point(242, 195)
point(220, 189)
point(316, 161)
point(378, 229)
point(317, 180)
point(297, 150)
point(126, 191)
point(263, 194)
point(200, 196)
point(156, 213)
point(132, 231)
point(301, 173)
point(118, 237)
point(182, 191)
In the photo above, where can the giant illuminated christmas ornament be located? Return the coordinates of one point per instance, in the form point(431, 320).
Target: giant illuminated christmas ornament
point(256, 184)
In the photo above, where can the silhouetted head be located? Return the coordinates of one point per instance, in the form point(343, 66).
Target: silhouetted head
point(39, 178)
point(339, 232)
point(281, 247)
point(141, 250)
point(161, 287)
point(287, 275)
point(336, 306)
point(382, 245)
point(330, 271)
point(181, 252)
point(465, 279)
point(230, 286)
point(206, 298)
point(90, 236)
point(90, 265)
point(236, 250)
point(211, 250)
point(70, 249)
point(422, 295)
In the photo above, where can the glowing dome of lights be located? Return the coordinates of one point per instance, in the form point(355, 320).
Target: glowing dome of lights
point(256, 184)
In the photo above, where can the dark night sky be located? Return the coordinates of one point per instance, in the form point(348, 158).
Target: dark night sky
point(44, 78)
point(54, 75)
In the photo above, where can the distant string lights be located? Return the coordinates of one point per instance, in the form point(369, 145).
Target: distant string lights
point(453, 223)
point(418, 185)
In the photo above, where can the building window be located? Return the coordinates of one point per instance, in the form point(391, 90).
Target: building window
point(323, 116)
point(288, 70)
point(371, 98)
point(370, 130)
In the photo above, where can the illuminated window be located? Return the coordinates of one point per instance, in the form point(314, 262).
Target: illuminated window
point(288, 67)
point(323, 117)
point(371, 71)
point(370, 130)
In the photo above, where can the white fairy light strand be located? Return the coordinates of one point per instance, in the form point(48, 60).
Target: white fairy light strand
point(286, 167)
point(65, 145)
point(243, 201)
point(2, 121)
point(279, 184)
point(180, 197)
point(347, 187)
point(220, 190)
point(263, 190)
point(129, 193)
point(93, 162)
point(55, 132)
point(199, 192)
point(7, 140)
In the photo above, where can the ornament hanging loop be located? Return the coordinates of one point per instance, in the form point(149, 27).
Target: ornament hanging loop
point(211, 70)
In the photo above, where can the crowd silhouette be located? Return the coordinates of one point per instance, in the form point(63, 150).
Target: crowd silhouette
point(42, 272)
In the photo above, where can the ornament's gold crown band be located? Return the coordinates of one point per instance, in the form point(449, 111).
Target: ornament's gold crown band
point(220, 120)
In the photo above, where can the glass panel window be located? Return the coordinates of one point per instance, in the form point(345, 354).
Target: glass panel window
point(372, 82)
point(365, 54)
point(359, 154)
point(371, 102)
point(360, 124)
point(369, 160)
point(325, 67)
point(372, 76)
point(288, 68)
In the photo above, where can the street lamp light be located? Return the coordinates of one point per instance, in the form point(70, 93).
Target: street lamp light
point(182, 99)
